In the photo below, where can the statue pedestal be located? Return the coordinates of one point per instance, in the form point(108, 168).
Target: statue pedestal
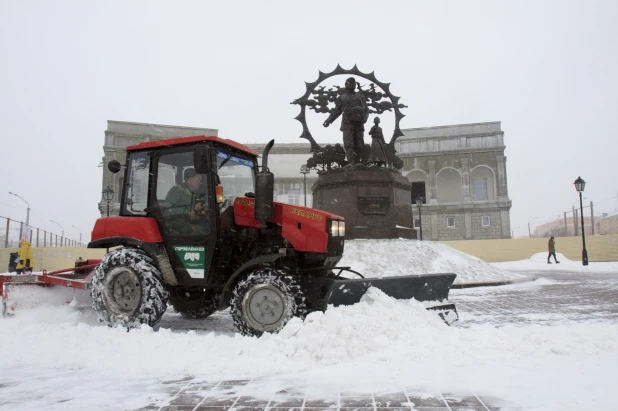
point(375, 202)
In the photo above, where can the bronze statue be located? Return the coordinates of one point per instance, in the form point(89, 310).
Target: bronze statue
point(378, 154)
point(355, 113)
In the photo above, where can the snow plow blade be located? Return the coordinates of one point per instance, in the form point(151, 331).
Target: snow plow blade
point(430, 289)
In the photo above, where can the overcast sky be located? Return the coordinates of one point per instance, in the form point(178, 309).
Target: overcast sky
point(545, 69)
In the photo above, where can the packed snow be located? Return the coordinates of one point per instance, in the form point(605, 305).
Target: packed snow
point(58, 356)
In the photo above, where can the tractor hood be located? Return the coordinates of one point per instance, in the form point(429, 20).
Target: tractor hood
point(305, 228)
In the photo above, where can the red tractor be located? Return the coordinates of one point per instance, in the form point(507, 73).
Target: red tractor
point(198, 228)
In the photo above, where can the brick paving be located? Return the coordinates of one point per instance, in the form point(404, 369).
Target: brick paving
point(232, 396)
point(554, 298)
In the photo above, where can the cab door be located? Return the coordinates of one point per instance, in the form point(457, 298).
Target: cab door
point(185, 211)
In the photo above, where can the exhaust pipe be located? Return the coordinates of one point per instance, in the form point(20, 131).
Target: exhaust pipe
point(264, 188)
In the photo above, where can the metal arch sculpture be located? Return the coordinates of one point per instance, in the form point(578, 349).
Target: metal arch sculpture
point(328, 96)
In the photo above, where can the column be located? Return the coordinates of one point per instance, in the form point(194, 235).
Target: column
point(433, 192)
point(465, 179)
point(501, 168)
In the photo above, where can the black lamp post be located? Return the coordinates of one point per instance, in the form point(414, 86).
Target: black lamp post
point(580, 184)
point(305, 170)
point(108, 196)
point(419, 203)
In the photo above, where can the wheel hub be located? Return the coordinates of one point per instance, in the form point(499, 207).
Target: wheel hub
point(265, 307)
point(124, 290)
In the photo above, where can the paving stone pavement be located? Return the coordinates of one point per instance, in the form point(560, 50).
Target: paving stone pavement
point(187, 395)
point(554, 298)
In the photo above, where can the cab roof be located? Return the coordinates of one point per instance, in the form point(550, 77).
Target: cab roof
point(192, 139)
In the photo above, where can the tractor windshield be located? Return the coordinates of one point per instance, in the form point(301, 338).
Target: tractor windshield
point(236, 173)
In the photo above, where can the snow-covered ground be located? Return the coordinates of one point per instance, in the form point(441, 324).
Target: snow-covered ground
point(58, 357)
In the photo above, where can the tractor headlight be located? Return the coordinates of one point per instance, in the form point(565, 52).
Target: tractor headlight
point(337, 228)
point(334, 228)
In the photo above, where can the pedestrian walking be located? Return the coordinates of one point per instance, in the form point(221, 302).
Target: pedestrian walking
point(551, 246)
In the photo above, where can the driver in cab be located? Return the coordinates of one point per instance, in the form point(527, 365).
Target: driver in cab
point(185, 200)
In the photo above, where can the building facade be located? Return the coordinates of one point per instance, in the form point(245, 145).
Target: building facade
point(459, 172)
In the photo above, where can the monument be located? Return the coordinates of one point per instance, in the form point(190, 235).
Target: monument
point(358, 181)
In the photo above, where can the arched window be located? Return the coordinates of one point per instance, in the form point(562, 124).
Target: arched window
point(482, 184)
point(418, 185)
point(448, 184)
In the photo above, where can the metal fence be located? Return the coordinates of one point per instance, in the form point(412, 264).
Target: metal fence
point(11, 231)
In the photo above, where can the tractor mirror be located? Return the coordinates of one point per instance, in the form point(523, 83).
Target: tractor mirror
point(114, 166)
point(201, 154)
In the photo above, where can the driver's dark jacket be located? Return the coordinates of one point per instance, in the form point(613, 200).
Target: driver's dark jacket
point(180, 199)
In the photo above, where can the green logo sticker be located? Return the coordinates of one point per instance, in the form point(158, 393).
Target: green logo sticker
point(192, 258)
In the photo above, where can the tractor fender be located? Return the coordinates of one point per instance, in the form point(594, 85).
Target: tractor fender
point(156, 251)
point(264, 260)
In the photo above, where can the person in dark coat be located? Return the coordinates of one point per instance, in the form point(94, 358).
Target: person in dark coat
point(551, 246)
point(355, 113)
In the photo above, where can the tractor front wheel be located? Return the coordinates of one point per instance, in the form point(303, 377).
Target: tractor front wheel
point(127, 289)
point(265, 300)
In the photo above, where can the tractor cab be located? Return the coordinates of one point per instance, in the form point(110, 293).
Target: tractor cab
point(187, 185)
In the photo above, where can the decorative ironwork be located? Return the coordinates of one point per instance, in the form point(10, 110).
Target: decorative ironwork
point(319, 98)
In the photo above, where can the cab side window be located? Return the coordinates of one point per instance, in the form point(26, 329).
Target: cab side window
point(182, 195)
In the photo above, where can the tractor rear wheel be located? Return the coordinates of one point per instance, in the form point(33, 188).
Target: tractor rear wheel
point(265, 300)
point(194, 303)
point(127, 289)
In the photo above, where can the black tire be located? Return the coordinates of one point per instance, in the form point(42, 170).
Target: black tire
point(265, 300)
point(127, 289)
point(194, 303)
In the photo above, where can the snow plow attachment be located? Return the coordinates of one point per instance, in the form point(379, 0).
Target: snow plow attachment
point(430, 289)
point(31, 290)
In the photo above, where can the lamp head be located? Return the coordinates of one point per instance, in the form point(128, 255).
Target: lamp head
point(580, 184)
point(108, 194)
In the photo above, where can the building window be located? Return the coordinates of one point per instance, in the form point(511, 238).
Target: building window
point(485, 221)
point(417, 223)
point(450, 222)
point(275, 192)
point(479, 189)
point(294, 197)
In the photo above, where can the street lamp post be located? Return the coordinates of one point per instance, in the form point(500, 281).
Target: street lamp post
point(27, 212)
point(304, 170)
point(62, 235)
point(108, 196)
point(580, 184)
point(419, 203)
point(530, 235)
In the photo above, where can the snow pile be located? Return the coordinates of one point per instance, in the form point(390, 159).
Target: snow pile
point(397, 257)
point(377, 344)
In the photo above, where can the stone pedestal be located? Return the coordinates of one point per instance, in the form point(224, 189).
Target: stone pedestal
point(375, 202)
